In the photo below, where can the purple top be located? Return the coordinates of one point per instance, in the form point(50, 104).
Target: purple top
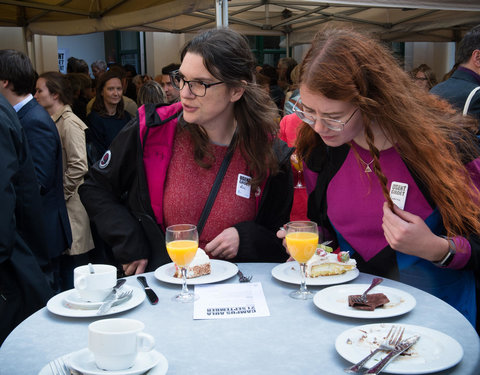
point(358, 199)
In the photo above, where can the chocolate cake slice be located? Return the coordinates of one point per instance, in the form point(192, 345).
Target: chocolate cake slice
point(374, 300)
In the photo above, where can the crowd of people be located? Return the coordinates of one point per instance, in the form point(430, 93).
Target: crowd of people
point(95, 169)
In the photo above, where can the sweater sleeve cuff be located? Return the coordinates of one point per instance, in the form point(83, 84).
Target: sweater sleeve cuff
point(462, 255)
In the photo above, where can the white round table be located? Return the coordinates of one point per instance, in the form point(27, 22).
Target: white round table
point(297, 337)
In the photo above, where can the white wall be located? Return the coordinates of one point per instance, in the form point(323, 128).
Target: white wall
point(439, 56)
point(42, 49)
point(46, 53)
point(12, 38)
point(162, 49)
point(89, 47)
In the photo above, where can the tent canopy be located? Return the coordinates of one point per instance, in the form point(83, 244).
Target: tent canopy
point(402, 20)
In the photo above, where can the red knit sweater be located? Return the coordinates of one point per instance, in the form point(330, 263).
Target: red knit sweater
point(187, 187)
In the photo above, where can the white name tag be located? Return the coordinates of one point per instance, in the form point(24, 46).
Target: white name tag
point(243, 186)
point(398, 193)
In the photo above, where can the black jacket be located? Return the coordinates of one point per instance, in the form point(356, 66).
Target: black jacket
point(117, 201)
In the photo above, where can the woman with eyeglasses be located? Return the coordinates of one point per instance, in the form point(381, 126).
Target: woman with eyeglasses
point(424, 77)
point(160, 169)
point(398, 168)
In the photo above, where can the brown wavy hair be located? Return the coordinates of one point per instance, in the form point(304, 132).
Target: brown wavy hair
point(99, 103)
point(227, 56)
point(430, 136)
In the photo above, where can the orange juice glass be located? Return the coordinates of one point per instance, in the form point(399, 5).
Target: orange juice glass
point(302, 245)
point(302, 241)
point(182, 244)
point(182, 252)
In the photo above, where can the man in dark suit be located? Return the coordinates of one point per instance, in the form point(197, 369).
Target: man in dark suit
point(17, 78)
point(23, 252)
point(466, 78)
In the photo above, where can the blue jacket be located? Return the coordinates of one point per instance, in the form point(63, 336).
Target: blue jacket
point(23, 253)
point(456, 90)
point(46, 151)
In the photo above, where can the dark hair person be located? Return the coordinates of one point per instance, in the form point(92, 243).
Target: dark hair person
point(379, 142)
point(151, 92)
point(54, 93)
point(108, 116)
point(424, 76)
point(167, 160)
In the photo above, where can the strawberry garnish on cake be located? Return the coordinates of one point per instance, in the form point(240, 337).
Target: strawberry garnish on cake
point(324, 263)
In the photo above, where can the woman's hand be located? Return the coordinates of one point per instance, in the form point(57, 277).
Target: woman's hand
point(225, 245)
point(281, 234)
point(409, 234)
point(136, 267)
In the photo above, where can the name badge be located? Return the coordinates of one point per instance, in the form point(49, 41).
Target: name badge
point(398, 193)
point(243, 186)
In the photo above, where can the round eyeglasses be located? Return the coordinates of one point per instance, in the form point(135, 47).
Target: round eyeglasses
point(310, 119)
point(197, 88)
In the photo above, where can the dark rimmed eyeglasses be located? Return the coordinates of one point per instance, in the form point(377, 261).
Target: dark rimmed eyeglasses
point(310, 119)
point(197, 88)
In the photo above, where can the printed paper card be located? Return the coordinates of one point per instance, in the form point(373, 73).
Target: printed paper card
point(227, 301)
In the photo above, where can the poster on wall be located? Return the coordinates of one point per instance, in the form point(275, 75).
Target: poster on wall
point(62, 60)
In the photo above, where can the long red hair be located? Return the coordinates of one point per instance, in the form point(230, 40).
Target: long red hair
point(431, 137)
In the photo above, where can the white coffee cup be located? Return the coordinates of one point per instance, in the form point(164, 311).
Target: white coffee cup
point(94, 287)
point(115, 343)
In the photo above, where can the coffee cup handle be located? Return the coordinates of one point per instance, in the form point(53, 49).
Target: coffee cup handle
point(145, 342)
point(81, 282)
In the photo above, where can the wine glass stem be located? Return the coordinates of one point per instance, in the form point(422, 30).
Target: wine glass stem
point(303, 279)
point(184, 280)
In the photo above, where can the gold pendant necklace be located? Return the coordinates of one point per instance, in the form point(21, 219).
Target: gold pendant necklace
point(367, 165)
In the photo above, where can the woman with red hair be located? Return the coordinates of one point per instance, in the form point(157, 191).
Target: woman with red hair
point(398, 168)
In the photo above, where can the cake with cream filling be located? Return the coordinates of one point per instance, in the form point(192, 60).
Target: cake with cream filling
point(199, 266)
point(329, 264)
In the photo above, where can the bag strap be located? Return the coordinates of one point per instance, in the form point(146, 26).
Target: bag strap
point(469, 99)
point(215, 187)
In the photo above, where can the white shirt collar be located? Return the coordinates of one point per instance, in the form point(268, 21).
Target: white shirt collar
point(17, 107)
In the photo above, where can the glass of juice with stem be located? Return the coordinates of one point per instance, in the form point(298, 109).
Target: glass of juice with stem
point(182, 245)
point(302, 241)
point(298, 165)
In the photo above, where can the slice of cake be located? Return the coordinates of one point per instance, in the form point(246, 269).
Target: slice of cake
point(374, 300)
point(329, 264)
point(199, 266)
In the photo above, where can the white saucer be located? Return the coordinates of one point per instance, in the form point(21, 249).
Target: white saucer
point(59, 306)
point(84, 362)
point(74, 300)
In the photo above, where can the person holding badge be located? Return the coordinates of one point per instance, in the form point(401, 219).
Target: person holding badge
point(398, 169)
point(165, 167)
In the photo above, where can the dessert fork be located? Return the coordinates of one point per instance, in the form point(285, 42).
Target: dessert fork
point(242, 278)
point(393, 337)
point(363, 297)
point(58, 367)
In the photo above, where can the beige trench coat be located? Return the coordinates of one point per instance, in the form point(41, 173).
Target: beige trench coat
point(74, 157)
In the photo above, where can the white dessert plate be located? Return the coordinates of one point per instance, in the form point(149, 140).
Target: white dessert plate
point(435, 351)
point(289, 272)
point(335, 301)
point(74, 301)
point(220, 270)
point(58, 304)
point(84, 362)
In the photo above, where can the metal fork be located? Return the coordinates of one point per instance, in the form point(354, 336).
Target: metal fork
point(242, 278)
point(363, 298)
point(123, 295)
point(393, 337)
point(58, 367)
